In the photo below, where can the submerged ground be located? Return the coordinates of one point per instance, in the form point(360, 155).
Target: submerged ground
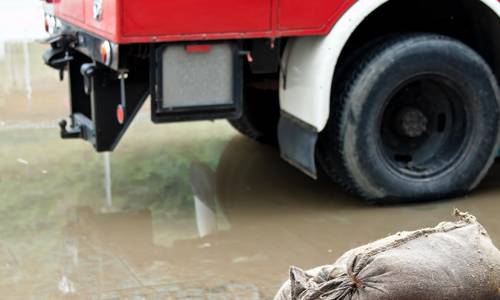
point(183, 211)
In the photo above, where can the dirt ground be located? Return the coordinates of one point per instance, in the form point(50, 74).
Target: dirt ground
point(183, 211)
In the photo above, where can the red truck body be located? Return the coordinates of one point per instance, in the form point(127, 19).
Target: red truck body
point(136, 21)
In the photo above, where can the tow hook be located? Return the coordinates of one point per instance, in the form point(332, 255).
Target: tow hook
point(72, 133)
point(57, 58)
point(58, 55)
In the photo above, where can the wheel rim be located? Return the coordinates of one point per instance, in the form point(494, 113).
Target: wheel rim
point(424, 126)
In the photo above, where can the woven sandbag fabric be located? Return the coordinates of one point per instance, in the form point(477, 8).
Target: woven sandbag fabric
point(454, 260)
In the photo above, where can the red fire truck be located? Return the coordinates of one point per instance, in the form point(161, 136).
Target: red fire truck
point(394, 100)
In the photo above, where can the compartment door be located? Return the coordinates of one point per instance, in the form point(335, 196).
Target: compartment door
point(72, 10)
point(169, 17)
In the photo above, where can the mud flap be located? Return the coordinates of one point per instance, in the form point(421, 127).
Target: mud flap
point(297, 142)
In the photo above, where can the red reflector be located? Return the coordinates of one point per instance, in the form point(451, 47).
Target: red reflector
point(198, 48)
point(106, 53)
point(120, 114)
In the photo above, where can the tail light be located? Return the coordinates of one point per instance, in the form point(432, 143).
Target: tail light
point(106, 53)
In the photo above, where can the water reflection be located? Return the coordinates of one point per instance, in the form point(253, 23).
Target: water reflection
point(271, 216)
point(27, 75)
point(202, 179)
point(107, 179)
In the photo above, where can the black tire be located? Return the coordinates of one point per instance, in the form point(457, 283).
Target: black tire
point(260, 117)
point(418, 119)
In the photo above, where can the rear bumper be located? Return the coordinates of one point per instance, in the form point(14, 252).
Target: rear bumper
point(68, 37)
point(104, 97)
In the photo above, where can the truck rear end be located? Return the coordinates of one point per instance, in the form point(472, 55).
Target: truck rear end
point(187, 55)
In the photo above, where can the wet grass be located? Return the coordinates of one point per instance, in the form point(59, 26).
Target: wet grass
point(43, 177)
point(149, 168)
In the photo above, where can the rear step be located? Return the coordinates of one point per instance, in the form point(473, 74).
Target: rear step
point(74, 132)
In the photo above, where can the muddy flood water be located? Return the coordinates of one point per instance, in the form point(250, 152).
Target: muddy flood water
point(182, 211)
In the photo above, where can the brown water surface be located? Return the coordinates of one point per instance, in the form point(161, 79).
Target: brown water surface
point(183, 211)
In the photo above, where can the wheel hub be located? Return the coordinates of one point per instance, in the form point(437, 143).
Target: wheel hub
point(423, 126)
point(413, 122)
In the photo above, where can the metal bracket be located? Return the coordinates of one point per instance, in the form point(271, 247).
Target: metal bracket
point(71, 133)
point(97, 93)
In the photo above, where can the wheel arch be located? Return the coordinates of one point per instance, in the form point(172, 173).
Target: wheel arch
point(309, 63)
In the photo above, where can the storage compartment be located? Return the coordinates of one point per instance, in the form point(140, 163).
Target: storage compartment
point(101, 18)
point(194, 17)
point(196, 82)
point(72, 10)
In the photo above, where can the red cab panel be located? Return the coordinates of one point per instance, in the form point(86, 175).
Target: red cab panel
point(108, 22)
point(300, 14)
point(178, 17)
point(81, 14)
